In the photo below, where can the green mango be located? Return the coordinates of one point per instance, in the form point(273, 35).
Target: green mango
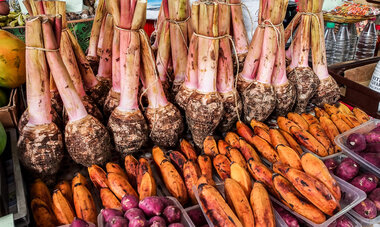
point(3, 138)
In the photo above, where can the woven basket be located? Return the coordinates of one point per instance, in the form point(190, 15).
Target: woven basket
point(344, 19)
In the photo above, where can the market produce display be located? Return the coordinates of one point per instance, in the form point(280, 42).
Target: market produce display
point(173, 123)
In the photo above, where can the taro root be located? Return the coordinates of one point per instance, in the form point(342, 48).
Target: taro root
point(56, 101)
point(328, 90)
point(284, 89)
point(97, 88)
point(40, 145)
point(24, 119)
point(252, 60)
point(113, 97)
point(301, 74)
point(259, 98)
point(165, 120)
point(87, 140)
point(92, 55)
point(171, 42)
point(205, 109)
point(225, 79)
point(127, 124)
point(162, 45)
point(69, 59)
point(191, 79)
point(239, 32)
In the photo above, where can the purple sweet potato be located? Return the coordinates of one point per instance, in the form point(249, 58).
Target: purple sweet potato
point(157, 221)
point(166, 201)
point(373, 148)
point(138, 222)
point(373, 158)
point(366, 182)
point(197, 216)
point(172, 214)
point(366, 209)
point(152, 206)
point(133, 213)
point(356, 142)
point(289, 219)
point(128, 202)
point(117, 221)
point(347, 169)
point(109, 213)
point(176, 225)
point(373, 137)
point(331, 164)
point(81, 223)
point(375, 197)
point(344, 221)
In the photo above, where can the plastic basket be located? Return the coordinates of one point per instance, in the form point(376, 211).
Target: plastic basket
point(351, 196)
point(341, 142)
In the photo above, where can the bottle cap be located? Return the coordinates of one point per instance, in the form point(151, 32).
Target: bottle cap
point(330, 24)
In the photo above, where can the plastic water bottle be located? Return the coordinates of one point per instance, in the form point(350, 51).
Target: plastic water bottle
point(330, 42)
point(353, 40)
point(367, 42)
point(342, 45)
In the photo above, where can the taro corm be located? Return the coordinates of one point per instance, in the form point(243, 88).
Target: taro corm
point(86, 139)
point(40, 145)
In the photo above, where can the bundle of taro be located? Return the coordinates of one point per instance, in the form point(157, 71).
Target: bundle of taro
point(174, 32)
point(172, 37)
point(40, 144)
point(312, 84)
point(263, 83)
point(127, 123)
point(208, 94)
point(86, 138)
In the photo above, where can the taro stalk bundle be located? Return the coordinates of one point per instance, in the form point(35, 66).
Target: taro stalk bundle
point(86, 139)
point(263, 78)
point(127, 123)
point(208, 94)
point(172, 42)
point(328, 90)
point(239, 33)
point(113, 97)
point(165, 120)
point(97, 88)
point(100, 13)
point(312, 84)
point(69, 59)
point(40, 145)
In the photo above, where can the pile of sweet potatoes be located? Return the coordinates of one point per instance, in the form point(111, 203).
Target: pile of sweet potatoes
point(350, 171)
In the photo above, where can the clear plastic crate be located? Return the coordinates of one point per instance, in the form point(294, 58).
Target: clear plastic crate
point(351, 196)
point(341, 142)
point(185, 219)
point(220, 187)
